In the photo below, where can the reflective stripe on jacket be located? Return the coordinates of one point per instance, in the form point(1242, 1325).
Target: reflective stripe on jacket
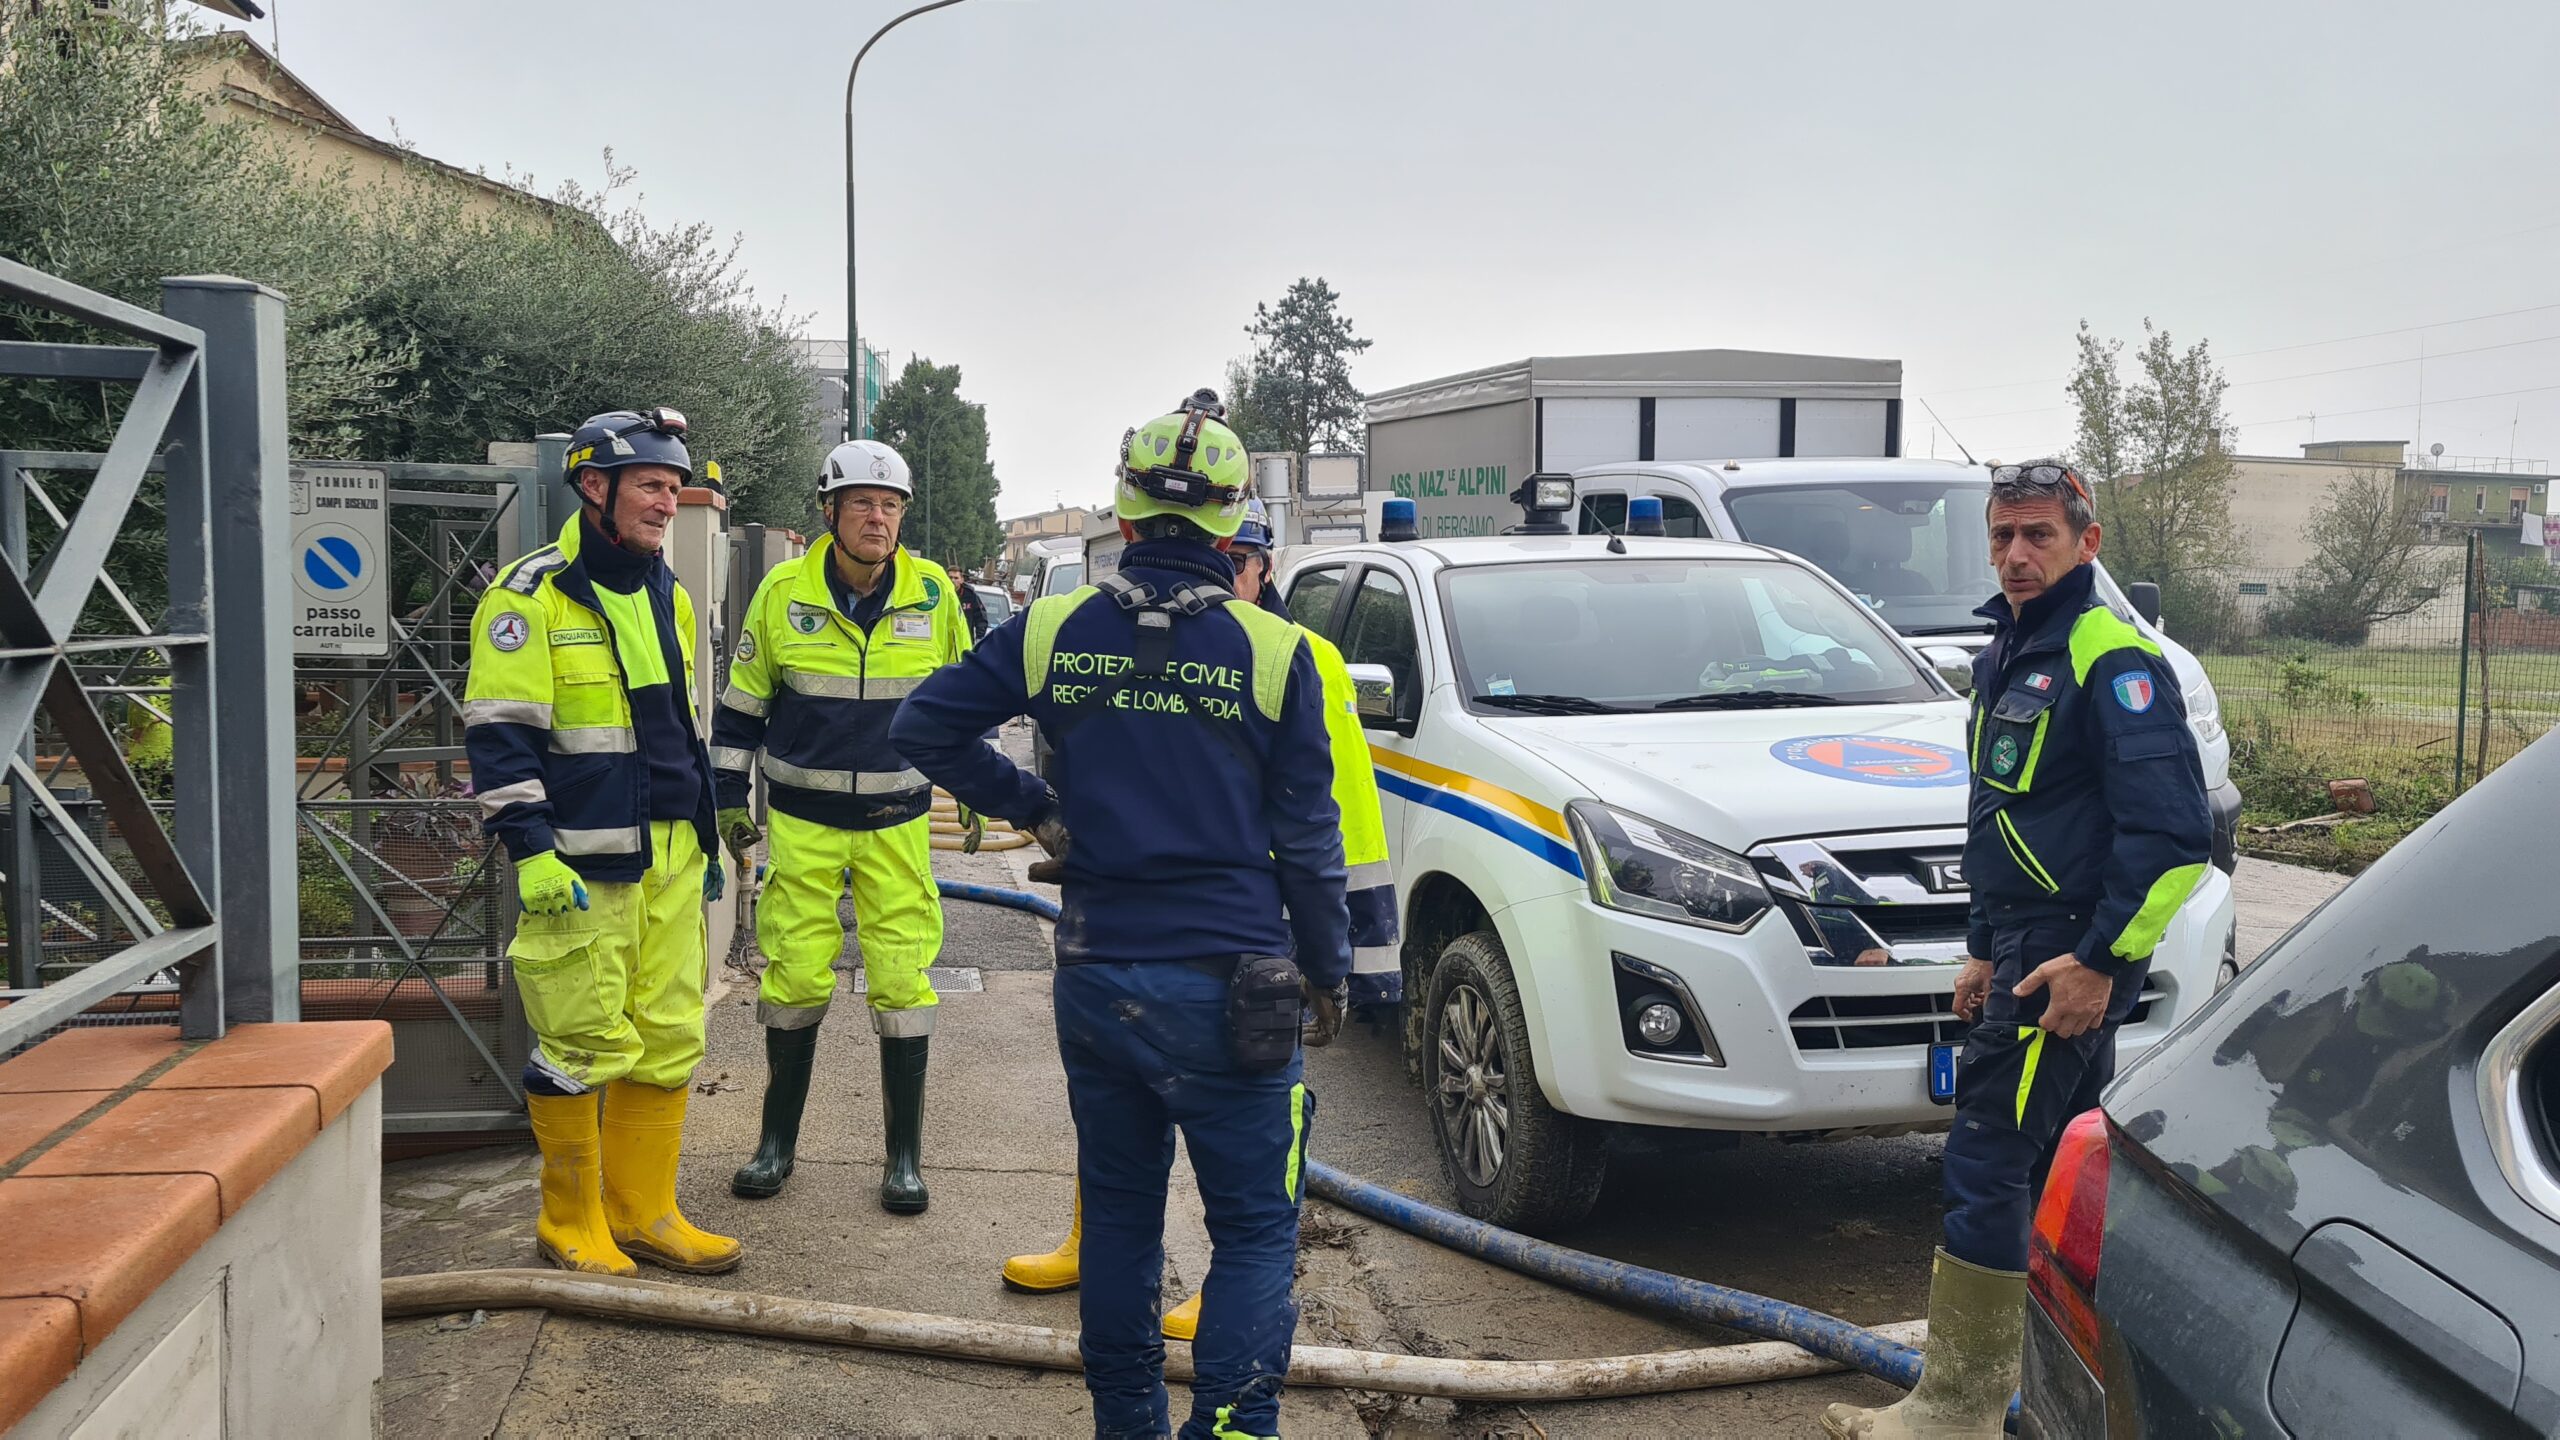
point(815, 692)
point(546, 711)
point(1182, 849)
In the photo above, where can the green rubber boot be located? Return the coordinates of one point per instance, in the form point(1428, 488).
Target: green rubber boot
point(902, 1115)
point(1977, 1328)
point(788, 1054)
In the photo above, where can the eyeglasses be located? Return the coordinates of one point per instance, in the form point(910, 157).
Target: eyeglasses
point(2043, 477)
point(862, 505)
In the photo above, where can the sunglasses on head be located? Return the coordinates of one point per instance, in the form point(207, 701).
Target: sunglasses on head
point(657, 418)
point(2043, 477)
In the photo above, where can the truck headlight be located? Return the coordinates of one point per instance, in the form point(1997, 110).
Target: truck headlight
point(2204, 712)
point(1643, 868)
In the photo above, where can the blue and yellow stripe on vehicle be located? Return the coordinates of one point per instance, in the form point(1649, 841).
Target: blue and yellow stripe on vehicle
point(1524, 822)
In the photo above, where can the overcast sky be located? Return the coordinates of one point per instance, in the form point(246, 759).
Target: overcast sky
point(1079, 201)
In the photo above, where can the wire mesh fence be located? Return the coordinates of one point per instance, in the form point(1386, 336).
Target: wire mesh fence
point(2424, 702)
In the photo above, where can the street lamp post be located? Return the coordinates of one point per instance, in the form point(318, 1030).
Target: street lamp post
point(852, 316)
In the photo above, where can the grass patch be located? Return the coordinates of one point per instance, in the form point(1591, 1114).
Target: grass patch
point(2280, 780)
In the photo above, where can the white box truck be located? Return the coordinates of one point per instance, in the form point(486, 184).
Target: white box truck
point(1457, 447)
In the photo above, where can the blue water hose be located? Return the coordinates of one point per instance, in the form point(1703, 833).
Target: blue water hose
point(1825, 1335)
point(1614, 1280)
point(1046, 909)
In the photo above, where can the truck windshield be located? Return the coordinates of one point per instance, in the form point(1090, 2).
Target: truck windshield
point(1916, 552)
point(1606, 634)
point(1063, 578)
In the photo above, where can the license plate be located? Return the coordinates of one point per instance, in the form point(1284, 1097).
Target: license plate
point(1942, 1074)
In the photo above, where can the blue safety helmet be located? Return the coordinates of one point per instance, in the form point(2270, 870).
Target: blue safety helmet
point(617, 438)
point(1255, 532)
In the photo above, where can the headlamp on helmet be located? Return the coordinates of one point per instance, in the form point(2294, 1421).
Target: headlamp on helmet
point(1186, 464)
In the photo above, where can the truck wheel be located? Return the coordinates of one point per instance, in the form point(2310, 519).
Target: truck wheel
point(1514, 1160)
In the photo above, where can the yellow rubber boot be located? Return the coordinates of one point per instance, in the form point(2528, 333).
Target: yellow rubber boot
point(1055, 1270)
point(643, 1129)
point(1182, 1322)
point(571, 1231)
point(1977, 1326)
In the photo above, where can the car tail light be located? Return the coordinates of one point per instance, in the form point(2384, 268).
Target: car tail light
point(2071, 1222)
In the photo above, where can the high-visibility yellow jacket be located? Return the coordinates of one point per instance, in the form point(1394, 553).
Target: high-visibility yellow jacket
point(1370, 881)
point(546, 712)
point(815, 692)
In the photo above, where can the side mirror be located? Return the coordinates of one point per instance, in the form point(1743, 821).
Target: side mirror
point(1374, 689)
point(1952, 664)
point(2146, 599)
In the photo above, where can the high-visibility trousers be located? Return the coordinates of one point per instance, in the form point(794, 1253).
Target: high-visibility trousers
point(614, 991)
point(897, 915)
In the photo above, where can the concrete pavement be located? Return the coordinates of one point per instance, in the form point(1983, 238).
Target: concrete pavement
point(1844, 1227)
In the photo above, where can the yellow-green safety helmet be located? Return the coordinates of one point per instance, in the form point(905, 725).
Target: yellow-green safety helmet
point(1185, 464)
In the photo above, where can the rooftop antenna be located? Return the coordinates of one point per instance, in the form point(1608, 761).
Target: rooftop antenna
point(1951, 434)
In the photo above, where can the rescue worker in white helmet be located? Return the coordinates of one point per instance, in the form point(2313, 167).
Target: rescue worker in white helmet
point(578, 718)
point(1376, 976)
point(833, 641)
point(1203, 913)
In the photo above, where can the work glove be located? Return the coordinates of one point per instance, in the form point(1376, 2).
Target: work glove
point(738, 827)
point(715, 880)
point(547, 886)
point(973, 828)
point(1325, 1009)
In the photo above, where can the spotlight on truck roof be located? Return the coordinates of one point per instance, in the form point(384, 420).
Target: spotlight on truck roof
point(1544, 501)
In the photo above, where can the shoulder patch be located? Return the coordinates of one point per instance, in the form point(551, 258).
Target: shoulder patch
point(932, 591)
point(2134, 691)
point(527, 574)
point(509, 631)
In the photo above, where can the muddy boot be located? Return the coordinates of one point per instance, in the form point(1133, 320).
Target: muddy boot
point(571, 1231)
point(1977, 1326)
point(788, 1055)
point(1054, 1270)
point(902, 1059)
point(643, 1138)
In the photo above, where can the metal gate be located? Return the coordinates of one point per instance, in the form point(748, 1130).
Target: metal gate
point(158, 892)
point(404, 907)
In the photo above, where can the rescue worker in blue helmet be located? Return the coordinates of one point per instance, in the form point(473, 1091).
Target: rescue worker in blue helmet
point(832, 642)
point(1376, 977)
point(1202, 848)
point(578, 718)
point(2087, 828)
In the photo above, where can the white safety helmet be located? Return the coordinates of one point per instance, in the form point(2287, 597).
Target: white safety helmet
point(865, 462)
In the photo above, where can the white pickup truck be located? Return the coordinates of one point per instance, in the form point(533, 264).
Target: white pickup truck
point(1677, 829)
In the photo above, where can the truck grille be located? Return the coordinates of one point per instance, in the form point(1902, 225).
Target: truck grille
point(1895, 897)
point(1875, 1022)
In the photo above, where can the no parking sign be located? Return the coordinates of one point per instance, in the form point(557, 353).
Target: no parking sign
point(339, 558)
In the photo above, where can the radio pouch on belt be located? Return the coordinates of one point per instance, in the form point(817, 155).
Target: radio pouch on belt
point(1264, 1000)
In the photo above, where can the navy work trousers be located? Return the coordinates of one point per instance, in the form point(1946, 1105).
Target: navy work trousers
point(2017, 1086)
point(1145, 1047)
